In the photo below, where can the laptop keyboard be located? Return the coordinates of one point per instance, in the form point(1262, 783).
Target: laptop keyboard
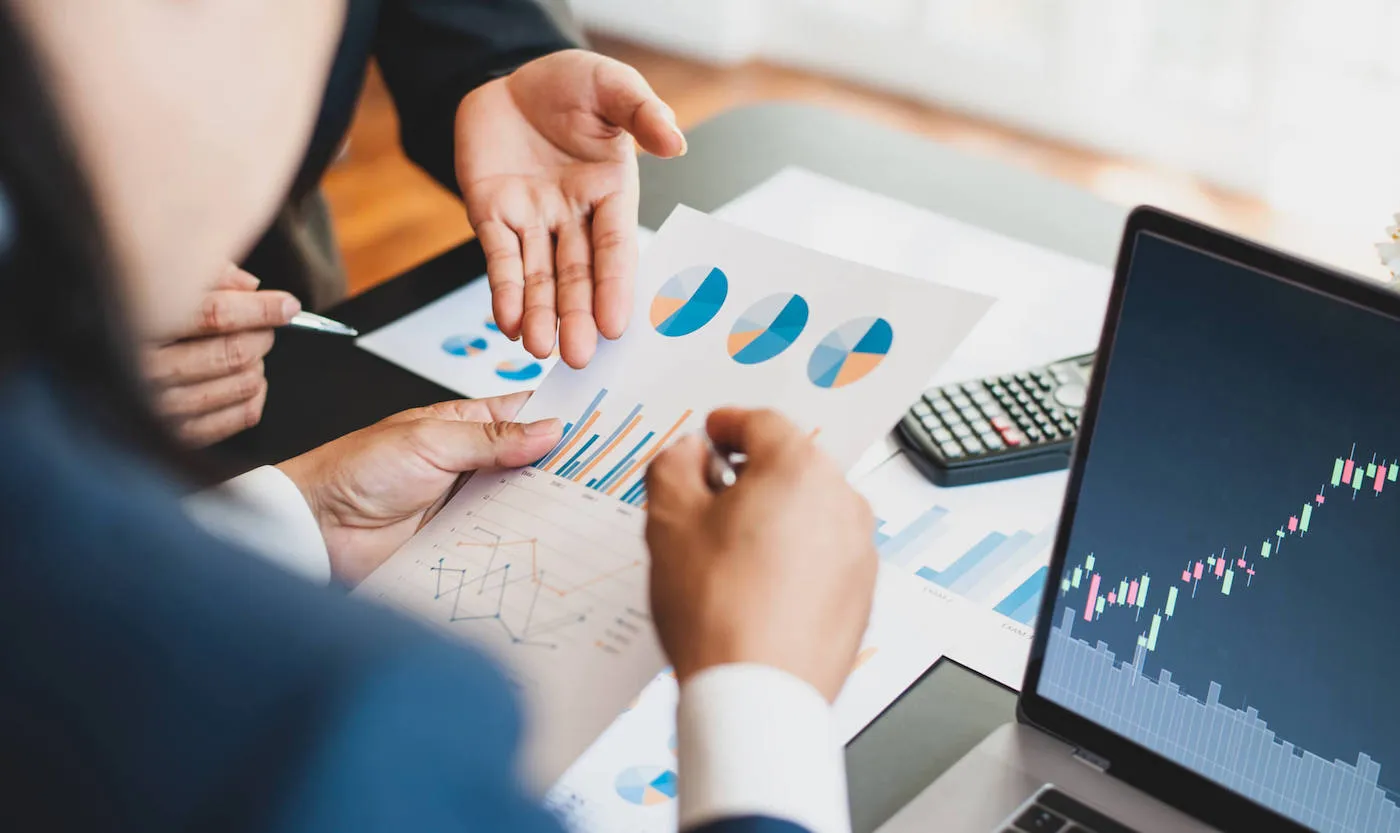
point(1051, 811)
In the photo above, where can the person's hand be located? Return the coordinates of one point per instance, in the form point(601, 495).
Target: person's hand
point(779, 569)
point(371, 490)
point(548, 169)
point(209, 385)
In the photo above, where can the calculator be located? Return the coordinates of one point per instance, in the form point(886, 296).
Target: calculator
point(999, 427)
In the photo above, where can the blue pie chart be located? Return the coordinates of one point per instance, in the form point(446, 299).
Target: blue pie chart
point(464, 345)
point(768, 328)
point(850, 352)
point(646, 786)
point(689, 301)
point(519, 371)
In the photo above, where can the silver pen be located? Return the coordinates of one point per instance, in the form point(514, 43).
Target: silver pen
point(722, 468)
point(321, 324)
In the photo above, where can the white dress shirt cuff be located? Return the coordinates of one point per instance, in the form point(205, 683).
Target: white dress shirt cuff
point(756, 741)
point(265, 512)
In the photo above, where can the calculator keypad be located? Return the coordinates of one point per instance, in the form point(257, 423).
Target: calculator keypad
point(999, 414)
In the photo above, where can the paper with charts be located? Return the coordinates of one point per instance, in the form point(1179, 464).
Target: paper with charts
point(454, 341)
point(627, 781)
point(546, 566)
point(979, 556)
point(975, 552)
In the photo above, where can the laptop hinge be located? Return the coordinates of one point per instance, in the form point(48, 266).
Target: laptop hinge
point(1091, 760)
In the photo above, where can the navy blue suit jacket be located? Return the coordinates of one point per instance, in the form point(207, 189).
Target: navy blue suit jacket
point(154, 679)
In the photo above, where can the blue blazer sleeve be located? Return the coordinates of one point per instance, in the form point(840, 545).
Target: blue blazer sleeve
point(153, 679)
point(421, 742)
point(434, 52)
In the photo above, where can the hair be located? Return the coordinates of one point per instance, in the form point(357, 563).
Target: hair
point(61, 310)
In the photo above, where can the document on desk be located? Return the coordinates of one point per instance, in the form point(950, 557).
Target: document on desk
point(976, 553)
point(546, 566)
point(627, 780)
point(454, 341)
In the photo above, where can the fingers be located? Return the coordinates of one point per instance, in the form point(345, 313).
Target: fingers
point(203, 359)
point(467, 446)
point(628, 101)
point(676, 478)
point(235, 278)
point(231, 311)
point(540, 319)
point(615, 261)
point(578, 334)
point(492, 409)
point(762, 435)
point(219, 425)
point(187, 401)
point(505, 272)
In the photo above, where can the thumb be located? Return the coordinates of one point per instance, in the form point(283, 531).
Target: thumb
point(467, 446)
point(676, 478)
point(626, 100)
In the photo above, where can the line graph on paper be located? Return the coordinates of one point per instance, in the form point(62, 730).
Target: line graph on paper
point(527, 561)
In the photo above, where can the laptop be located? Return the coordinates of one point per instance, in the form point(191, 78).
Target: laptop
point(1216, 645)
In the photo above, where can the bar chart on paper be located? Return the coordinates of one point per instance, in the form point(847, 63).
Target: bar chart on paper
point(607, 450)
point(990, 544)
point(982, 570)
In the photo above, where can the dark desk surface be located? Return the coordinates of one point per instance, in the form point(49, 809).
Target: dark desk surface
point(323, 387)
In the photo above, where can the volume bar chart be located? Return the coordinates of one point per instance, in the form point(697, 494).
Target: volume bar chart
point(610, 455)
point(1231, 746)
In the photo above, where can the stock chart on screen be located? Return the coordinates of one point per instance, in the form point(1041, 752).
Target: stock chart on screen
point(1228, 594)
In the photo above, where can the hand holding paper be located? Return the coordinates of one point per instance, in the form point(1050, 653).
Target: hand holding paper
point(547, 566)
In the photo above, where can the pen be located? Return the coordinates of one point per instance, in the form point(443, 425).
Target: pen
point(722, 468)
point(321, 324)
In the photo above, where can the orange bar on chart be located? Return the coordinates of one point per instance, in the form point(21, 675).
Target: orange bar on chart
point(578, 478)
point(660, 444)
point(578, 435)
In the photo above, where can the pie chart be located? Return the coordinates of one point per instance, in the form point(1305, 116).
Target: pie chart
point(768, 328)
point(491, 324)
point(850, 352)
point(464, 345)
point(647, 786)
point(689, 300)
point(516, 370)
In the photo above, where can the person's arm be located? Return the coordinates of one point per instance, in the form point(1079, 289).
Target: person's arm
point(541, 142)
point(264, 512)
point(757, 744)
point(761, 594)
point(434, 52)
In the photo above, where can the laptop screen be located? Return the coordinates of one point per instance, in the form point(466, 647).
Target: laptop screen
point(1231, 589)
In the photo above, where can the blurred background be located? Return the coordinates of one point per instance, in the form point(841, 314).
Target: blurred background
point(1278, 119)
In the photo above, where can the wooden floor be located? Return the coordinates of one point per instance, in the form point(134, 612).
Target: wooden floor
point(390, 216)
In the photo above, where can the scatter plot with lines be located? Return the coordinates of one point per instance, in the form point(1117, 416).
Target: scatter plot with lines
point(548, 575)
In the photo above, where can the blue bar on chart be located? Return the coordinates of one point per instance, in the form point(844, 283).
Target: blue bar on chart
point(902, 548)
point(1251, 759)
point(1002, 554)
point(605, 460)
point(970, 559)
point(571, 431)
point(1023, 603)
